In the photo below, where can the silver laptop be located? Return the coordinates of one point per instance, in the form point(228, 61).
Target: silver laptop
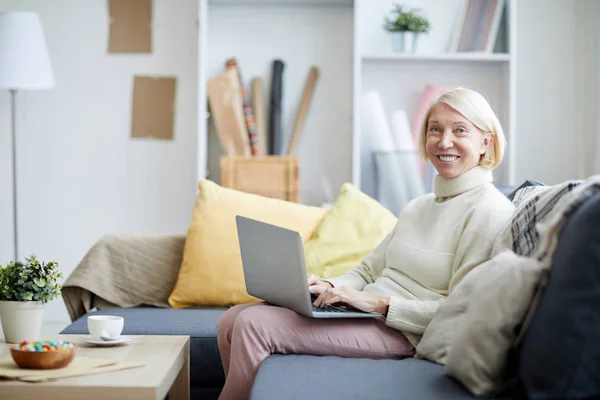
point(274, 270)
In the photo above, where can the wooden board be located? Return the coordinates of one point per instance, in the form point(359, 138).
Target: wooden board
point(309, 88)
point(225, 100)
point(258, 104)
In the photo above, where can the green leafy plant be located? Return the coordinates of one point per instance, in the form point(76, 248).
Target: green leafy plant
point(30, 281)
point(404, 20)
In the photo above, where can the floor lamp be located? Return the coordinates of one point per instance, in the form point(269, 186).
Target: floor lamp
point(24, 65)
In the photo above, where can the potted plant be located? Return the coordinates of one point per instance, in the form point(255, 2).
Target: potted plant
point(24, 290)
point(405, 26)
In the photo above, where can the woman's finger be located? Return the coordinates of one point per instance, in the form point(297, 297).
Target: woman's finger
point(333, 299)
point(317, 289)
point(319, 299)
point(342, 296)
point(320, 302)
point(329, 297)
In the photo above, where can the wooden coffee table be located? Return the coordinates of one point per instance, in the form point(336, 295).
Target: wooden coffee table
point(166, 369)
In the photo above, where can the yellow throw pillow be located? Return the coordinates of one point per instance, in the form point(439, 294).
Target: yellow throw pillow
point(211, 271)
point(354, 226)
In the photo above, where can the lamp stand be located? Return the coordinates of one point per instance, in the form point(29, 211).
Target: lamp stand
point(13, 120)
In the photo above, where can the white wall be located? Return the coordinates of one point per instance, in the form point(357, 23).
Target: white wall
point(588, 56)
point(551, 118)
point(593, 155)
point(80, 176)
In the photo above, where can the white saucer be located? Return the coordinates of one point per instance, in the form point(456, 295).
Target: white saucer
point(122, 339)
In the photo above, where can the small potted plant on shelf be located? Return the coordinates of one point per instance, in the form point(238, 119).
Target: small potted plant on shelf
point(405, 26)
point(24, 290)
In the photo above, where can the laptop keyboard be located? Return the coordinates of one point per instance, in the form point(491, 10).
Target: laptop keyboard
point(329, 308)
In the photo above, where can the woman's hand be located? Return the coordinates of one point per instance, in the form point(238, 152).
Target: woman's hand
point(317, 285)
point(366, 302)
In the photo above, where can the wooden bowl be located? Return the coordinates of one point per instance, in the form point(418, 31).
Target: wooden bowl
point(43, 359)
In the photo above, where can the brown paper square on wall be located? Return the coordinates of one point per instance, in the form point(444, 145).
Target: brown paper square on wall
point(153, 107)
point(130, 26)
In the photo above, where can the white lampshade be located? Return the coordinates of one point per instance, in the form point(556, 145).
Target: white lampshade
point(24, 61)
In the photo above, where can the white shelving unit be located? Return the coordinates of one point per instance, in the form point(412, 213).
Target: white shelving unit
point(301, 34)
point(345, 39)
point(461, 57)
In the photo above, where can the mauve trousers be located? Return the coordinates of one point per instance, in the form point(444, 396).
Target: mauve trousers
point(249, 333)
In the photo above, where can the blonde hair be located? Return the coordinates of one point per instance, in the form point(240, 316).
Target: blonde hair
point(474, 107)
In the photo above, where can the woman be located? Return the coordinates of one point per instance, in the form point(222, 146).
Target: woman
point(438, 239)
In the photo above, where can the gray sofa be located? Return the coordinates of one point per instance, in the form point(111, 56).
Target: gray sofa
point(305, 376)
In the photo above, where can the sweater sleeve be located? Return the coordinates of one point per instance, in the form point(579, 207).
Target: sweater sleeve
point(369, 269)
point(474, 248)
point(411, 316)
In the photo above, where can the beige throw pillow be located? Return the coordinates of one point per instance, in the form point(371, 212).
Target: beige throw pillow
point(497, 306)
point(437, 338)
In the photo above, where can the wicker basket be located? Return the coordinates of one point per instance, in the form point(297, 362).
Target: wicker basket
point(270, 176)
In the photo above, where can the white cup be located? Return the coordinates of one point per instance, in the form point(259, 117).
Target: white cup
point(105, 325)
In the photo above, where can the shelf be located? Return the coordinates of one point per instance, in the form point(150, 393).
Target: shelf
point(484, 57)
point(291, 3)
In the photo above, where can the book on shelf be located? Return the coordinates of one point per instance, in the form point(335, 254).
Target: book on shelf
point(478, 26)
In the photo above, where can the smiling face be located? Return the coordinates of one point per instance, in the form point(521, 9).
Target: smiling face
point(454, 145)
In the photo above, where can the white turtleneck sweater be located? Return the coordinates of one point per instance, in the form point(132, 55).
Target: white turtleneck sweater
point(438, 239)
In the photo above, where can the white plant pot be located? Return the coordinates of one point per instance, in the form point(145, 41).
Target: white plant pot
point(404, 42)
point(21, 320)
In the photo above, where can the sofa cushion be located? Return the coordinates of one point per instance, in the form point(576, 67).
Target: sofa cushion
point(211, 273)
point(313, 377)
point(344, 236)
point(560, 354)
point(527, 184)
point(200, 324)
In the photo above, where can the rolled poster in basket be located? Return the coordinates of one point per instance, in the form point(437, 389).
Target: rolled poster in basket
point(392, 193)
point(409, 163)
